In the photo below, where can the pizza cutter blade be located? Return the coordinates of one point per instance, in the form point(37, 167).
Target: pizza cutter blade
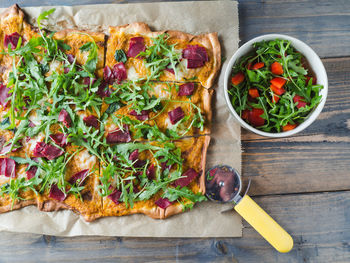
point(224, 184)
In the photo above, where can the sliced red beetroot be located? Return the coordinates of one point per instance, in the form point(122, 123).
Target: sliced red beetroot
point(165, 166)
point(119, 72)
point(196, 56)
point(31, 124)
point(170, 70)
point(186, 89)
point(91, 121)
point(255, 118)
point(12, 40)
point(134, 155)
point(31, 172)
point(163, 202)
point(46, 150)
point(141, 117)
point(7, 148)
point(114, 196)
point(4, 94)
point(65, 118)
point(136, 45)
point(151, 171)
point(39, 147)
point(56, 193)
point(8, 167)
point(108, 75)
point(187, 178)
point(59, 138)
point(79, 176)
point(103, 90)
point(300, 100)
point(119, 135)
point(175, 115)
point(51, 152)
point(70, 58)
point(87, 80)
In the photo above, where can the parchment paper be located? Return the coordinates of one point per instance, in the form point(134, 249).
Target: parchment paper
point(205, 220)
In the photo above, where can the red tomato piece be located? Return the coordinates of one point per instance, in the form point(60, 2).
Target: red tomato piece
point(314, 80)
point(278, 82)
point(276, 68)
point(237, 79)
point(300, 100)
point(255, 117)
point(276, 90)
point(245, 114)
point(258, 65)
point(253, 92)
point(289, 127)
point(275, 98)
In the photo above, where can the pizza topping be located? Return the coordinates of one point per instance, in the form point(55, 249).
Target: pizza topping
point(163, 203)
point(186, 178)
point(176, 115)
point(134, 157)
point(137, 45)
point(119, 135)
point(186, 89)
point(91, 121)
point(103, 90)
point(115, 196)
point(70, 58)
point(4, 94)
point(119, 72)
point(59, 138)
point(8, 167)
point(196, 56)
point(172, 71)
point(108, 75)
point(65, 118)
point(141, 117)
point(31, 124)
point(79, 176)
point(150, 172)
point(31, 172)
point(12, 40)
point(46, 150)
point(56, 193)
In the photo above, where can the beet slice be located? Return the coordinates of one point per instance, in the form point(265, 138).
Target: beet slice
point(79, 175)
point(4, 94)
point(175, 115)
point(8, 167)
point(31, 172)
point(7, 148)
point(187, 178)
point(141, 117)
point(108, 75)
point(51, 152)
point(91, 121)
point(56, 193)
point(39, 147)
point(70, 58)
point(119, 72)
point(12, 40)
point(186, 89)
point(151, 172)
point(163, 202)
point(119, 135)
point(114, 196)
point(134, 155)
point(136, 45)
point(59, 138)
point(103, 90)
point(196, 56)
point(65, 118)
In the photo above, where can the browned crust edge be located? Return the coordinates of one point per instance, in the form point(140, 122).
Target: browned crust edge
point(12, 10)
point(17, 205)
point(207, 109)
point(65, 32)
point(209, 40)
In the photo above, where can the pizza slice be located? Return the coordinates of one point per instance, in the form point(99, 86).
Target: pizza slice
point(157, 111)
point(135, 52)
point(156, 179)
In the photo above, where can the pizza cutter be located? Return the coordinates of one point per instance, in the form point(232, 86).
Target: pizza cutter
point(224, 184)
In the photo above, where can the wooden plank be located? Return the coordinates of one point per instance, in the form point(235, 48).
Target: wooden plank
point(317, 159)
point(319, 224)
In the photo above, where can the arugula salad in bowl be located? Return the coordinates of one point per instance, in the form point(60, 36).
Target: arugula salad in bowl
point(275, 85)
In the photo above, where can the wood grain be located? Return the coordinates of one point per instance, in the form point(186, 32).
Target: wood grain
point(315, 160)
point(323, 237)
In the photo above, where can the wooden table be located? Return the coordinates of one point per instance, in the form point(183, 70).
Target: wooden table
point(302, 181)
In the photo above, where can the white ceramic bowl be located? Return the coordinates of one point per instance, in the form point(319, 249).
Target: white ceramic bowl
point(314, 62)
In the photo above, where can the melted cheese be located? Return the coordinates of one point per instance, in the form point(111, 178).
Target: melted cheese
point(34, 118)
point(84, 160)
point(29, 145)
point(160, 92)
point(132, 74)
point(55, 66)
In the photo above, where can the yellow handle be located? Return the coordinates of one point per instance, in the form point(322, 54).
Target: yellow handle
point(264, 224)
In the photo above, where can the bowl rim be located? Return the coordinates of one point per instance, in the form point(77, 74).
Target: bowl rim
point(320, 72)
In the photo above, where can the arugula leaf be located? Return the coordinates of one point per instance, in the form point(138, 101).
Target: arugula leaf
point(120, 55)
point(43, 16)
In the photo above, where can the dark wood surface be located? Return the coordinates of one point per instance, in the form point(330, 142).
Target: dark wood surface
point(302, 181)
